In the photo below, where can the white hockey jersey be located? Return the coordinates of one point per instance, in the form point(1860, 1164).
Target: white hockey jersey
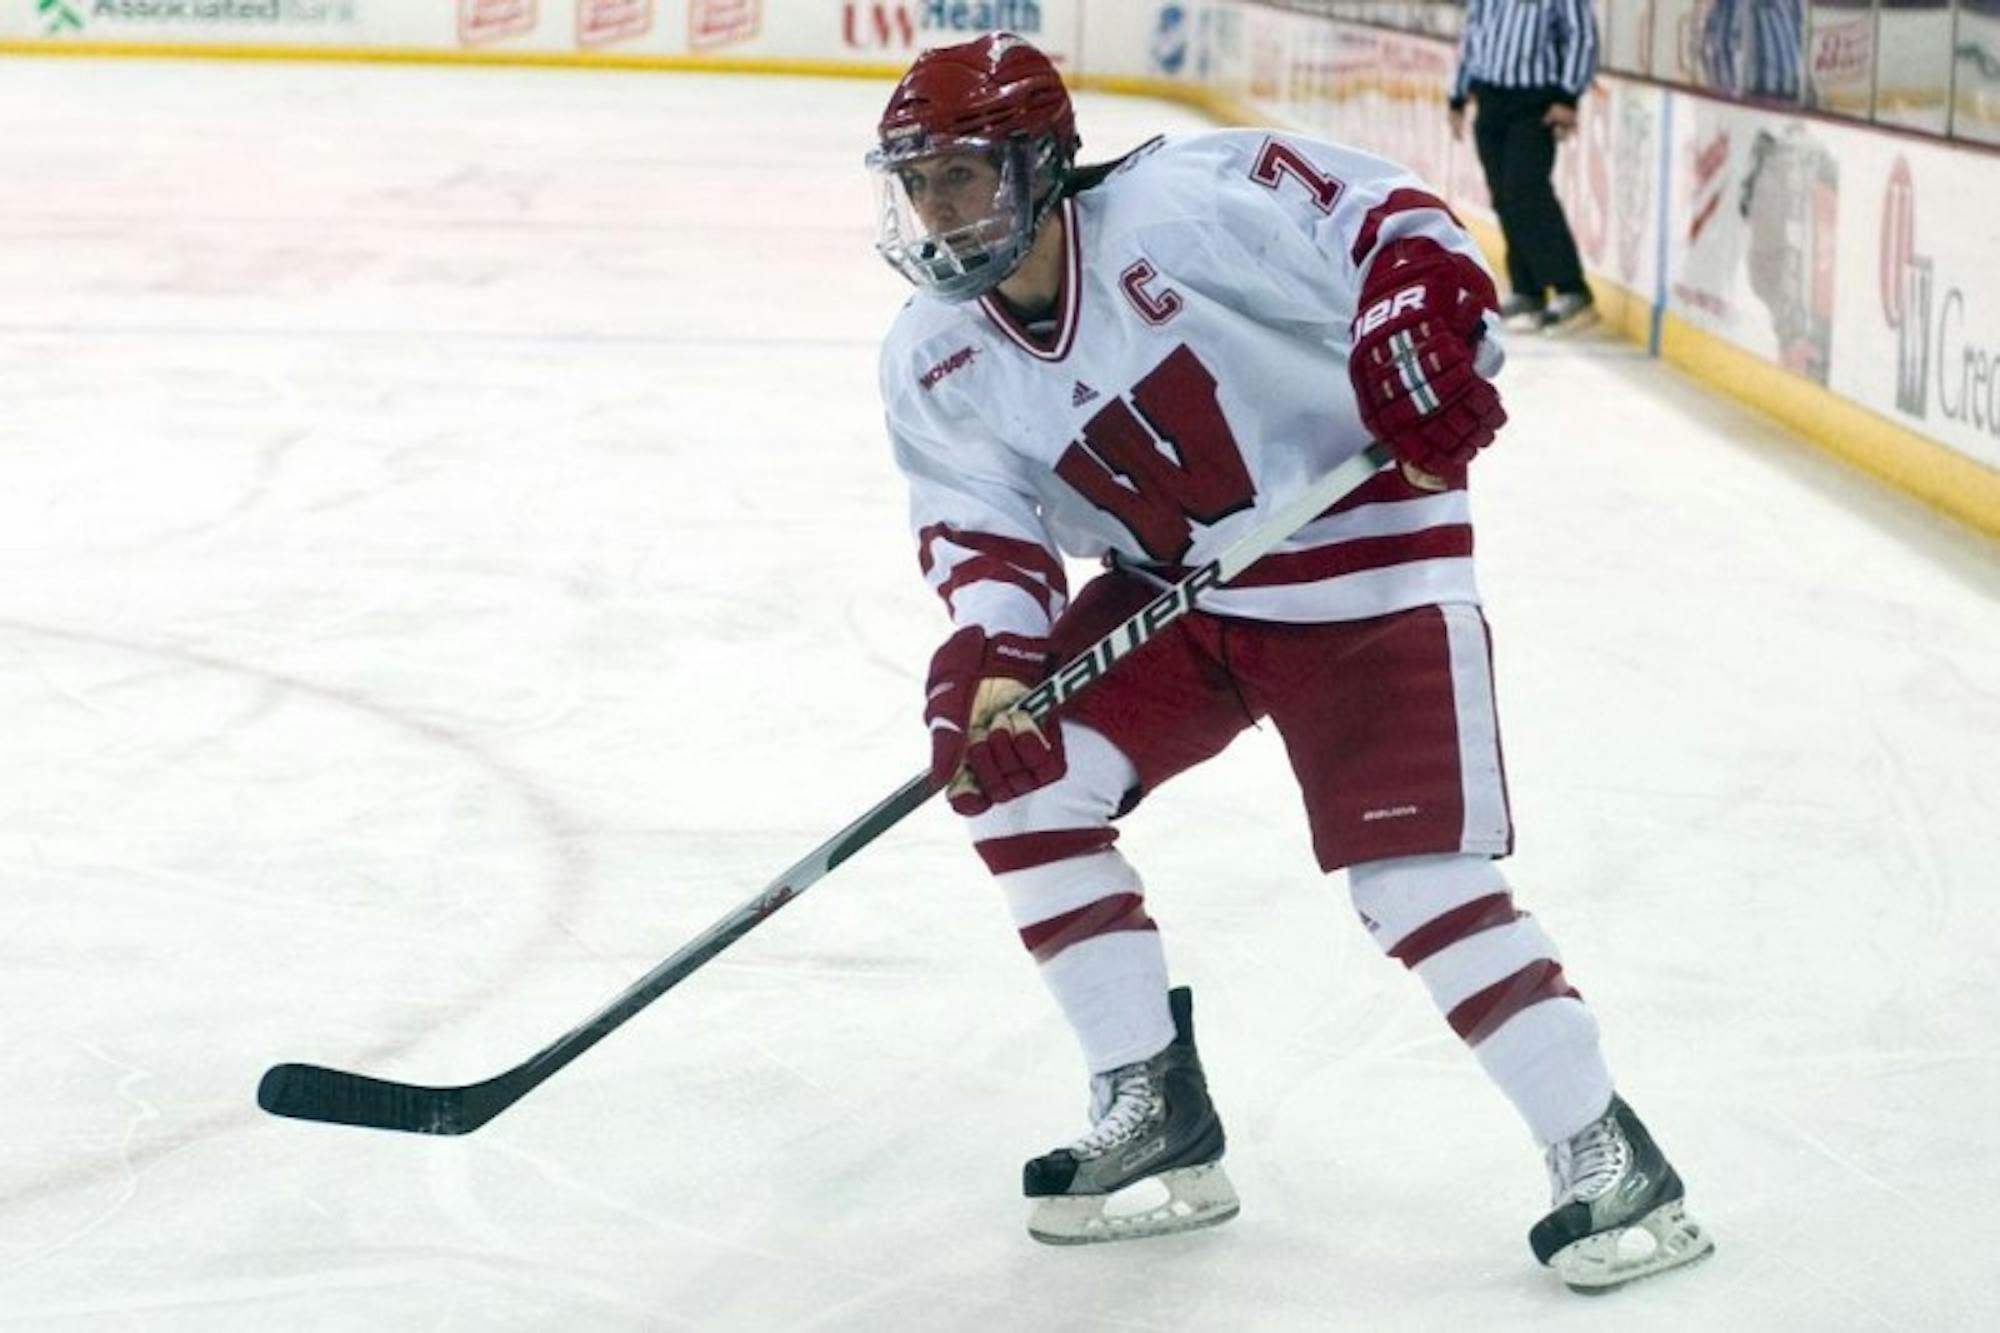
point(1195, 378)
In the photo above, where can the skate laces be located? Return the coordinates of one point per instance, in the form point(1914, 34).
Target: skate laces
point(1585, 1166)
point(1129, 1101)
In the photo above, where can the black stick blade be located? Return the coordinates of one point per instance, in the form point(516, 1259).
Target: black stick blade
point(333, 1096)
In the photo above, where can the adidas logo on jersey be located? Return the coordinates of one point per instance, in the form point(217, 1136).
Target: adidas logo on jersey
point(1081, 394)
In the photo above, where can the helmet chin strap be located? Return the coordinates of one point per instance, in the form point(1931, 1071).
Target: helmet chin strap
point(1059, 176)
point(1037, 210)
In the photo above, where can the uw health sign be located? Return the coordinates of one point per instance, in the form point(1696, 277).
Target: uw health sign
point(904, 25)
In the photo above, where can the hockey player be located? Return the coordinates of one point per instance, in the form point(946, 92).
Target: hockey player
point(1135, 361)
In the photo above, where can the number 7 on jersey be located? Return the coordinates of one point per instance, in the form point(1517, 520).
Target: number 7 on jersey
point(1277, 159)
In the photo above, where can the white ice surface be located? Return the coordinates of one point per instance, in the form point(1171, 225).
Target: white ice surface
point(448, 558)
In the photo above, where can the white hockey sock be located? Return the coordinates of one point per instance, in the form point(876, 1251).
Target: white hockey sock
point(1113, 990)
point(1548, 1062)
point(1079, 906)
point(1498, 979)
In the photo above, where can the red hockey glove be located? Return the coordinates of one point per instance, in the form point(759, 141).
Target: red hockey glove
point(1412, 363)
point(974, 680)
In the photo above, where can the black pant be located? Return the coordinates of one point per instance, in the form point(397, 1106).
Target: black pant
point(1518, 153)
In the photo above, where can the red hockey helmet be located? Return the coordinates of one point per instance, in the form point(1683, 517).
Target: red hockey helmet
point(988, 88)
point(948, 224)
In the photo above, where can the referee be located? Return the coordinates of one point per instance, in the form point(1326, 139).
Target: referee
point(1526, 62)
point(1750, 48)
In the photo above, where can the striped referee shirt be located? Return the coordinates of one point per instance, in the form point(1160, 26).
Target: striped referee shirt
point(1751, 47)
point(1527, 44)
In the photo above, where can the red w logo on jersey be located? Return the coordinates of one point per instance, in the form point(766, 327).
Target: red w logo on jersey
point(1171, 463)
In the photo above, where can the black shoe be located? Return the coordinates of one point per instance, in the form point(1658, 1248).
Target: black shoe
point(1521, 312)
point(1569, 312)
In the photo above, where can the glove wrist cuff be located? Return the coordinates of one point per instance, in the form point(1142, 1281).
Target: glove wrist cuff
point(1019, 657)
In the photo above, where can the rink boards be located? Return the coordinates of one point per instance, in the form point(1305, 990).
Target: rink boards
point(1835, 275)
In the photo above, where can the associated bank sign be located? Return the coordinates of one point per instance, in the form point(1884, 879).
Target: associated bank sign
point(74, 15)
point(905, 24)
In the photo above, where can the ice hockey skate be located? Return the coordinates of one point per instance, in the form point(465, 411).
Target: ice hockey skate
point(1153, 1129)
point(1618, 1212)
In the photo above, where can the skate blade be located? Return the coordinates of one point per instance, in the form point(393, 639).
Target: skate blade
point(1196, 1196)
point(1664, 1238)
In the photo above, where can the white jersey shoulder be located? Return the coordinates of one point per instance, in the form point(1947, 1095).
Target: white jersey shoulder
point(909, 375)
point(1203, 176)
point(1293, 221)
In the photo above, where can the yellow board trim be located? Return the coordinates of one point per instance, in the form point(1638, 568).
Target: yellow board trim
point(1943, 478)
point(1949, 481)
point(415, 55)
point(1218, 107)
point(1214, 104)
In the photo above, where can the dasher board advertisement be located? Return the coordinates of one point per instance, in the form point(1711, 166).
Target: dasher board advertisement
point(858, 32)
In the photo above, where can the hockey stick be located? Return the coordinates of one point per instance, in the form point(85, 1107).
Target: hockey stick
point(313, 1092)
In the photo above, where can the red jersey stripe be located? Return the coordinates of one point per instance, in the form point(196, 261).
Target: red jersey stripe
point(987, 569)
point(1385, 487)
point(1399, 201)
point(1353, 556)
point(1030, 556)
point(1362, 553)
